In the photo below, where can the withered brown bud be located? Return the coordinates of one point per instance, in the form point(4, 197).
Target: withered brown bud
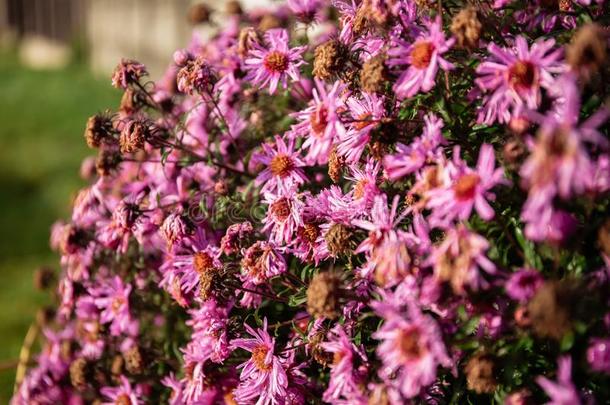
point(133, 136)
point(248, 36)
point(588, 50)
point(130, 101)
point(45, 315)
point(374, 74)
point(603, 237)
point(44, 278)
point(79, 373)
point(323, 295)
point(234, 8)
point(220, 187)
point(133, 360)
point(513, 152)
point(338, 238)
point(98, 130)
point(320, 355)
point(466, 28)
point(550, 309)
point(480, 373)
point(117, 365)
point(269, 21)
point(199, 14)
point(330, 58)
point(107, 162)
point(335, 165)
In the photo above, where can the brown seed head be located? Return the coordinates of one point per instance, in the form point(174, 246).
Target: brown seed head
point(466, 28)
point(330, 58)
point(44, 278)
point(98, 130)
point(550, 309)
point(338, 238)
point(133, 136)
point(335, 165)
point(78, 373)
point(323, 295)
point(374, 74)
point(588, 51)
point(133, 360)
point(199, 14)
point(480, 373)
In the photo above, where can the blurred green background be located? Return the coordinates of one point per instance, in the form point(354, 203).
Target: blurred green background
point(42, 119)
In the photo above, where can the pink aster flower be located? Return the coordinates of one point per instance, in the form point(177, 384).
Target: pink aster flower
point(235, 234)
point(468, 189)
point(366, 112)
point(284, 214)
point(514, 78)
point(273, 65)
point(209, 323)
point(387, 246)
point(345, 379)
point(423, 57)
point(411, 350)
point(598, 355)
point(458, 259)
point(183, 270)
point(123, 394)
point(112, 297)
point(410, 158)
point(283, 165)
point(365, 187)
point(523, 284)
point(263, 377)
point(562, 391)
point(260, 262)
point(319, 123)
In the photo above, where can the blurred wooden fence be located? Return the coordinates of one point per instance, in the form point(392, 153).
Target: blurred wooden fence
point(59, 20)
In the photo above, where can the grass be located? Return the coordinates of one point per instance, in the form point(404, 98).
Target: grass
point(42, 118)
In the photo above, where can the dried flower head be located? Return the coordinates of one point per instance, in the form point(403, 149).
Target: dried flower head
point(588, 51)
point(466, 27)
point(133, 136)
point(108, 160)
point(99, 130)
point(339, 239)
point(133, 360)
point(323, 295)
point(603, 237)
point(247, 37)
point(480, 373)
point(128, 72)
point(199, 14)
point(330, 58)
point(550, 310)
point(196, 76)
point(336, 163)
point(374, 74)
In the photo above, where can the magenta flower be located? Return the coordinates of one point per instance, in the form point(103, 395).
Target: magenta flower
point(515, 77)
point(365, 187)
point(123, 394)
point(283, 165)
point(468, 189)
point(459, 258)
point(563, 391)
point(263, 377)
point(523, 284)
point(423, 57)
point(260, 262)
point(598, 355)
point(112, 297)
point(366, 113)
point(410, 158)
point(345, 379)
point(319, 123)
point(273, 65)
point(284, 214)
point(182, 271)
point(411, 350)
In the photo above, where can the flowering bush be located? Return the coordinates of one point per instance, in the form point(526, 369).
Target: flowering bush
point(382, 202)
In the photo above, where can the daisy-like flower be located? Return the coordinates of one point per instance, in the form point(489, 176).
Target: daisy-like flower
point(523, 284)
point(319, 123)
point(386, 246)
point(562, 391)
point(424, 56)
point(275, 64)
point(469, 188)
point(366, 112)
point(113, 299)
point(411, 350)
point(345, 379)
point(284, 214)
point(459, 257)
point(260, 262)
point(263, 377)
point(124, 394)
point(283, 165)
point(514, 77)
point(187, 270)
point(410, 158)
point(365, 187)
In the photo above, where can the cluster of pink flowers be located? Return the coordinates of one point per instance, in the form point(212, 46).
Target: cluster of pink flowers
point(348, 202)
